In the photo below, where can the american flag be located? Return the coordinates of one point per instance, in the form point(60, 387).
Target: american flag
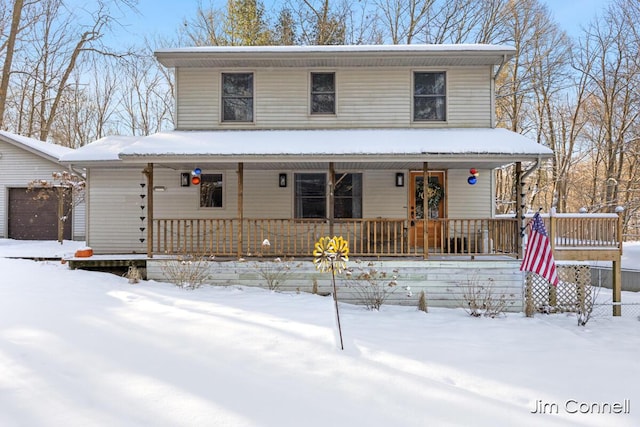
point(538, 257)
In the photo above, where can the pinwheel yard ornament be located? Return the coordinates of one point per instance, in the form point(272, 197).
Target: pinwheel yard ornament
point(332, 254)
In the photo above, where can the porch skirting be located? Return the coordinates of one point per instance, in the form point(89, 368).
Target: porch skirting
point(443, 281)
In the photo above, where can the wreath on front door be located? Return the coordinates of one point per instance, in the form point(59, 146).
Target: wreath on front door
point(435, 194)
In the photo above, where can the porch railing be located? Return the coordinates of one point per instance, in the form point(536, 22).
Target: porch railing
point(585, 231)
point(366, 237)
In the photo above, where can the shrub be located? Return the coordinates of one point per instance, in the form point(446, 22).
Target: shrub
point(422, 302)
point(274, 273)
point(187, 271)
point(373, 286)
point(480, 300)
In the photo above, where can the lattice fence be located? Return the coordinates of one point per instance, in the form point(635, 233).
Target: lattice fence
point(572, 294)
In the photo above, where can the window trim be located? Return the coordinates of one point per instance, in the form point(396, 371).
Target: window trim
point(312, 93)
point(444, 96)
point(223, 97)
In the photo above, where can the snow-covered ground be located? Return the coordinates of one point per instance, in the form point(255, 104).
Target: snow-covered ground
point(82, 348)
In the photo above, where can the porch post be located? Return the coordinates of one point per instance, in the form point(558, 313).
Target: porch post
point(148, 171)
point(240, 207)
point(332, 183)
point(425, 210)
point(616, 271)
point(519, 187)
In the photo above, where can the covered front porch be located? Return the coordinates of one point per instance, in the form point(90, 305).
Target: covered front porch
point(392, 193)
point(574, 237)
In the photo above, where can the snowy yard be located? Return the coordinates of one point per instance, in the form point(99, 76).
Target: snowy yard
point(82, 348)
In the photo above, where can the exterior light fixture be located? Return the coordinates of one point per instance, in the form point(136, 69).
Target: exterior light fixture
point(399, 179)
point(185, 179)
point(282, 180)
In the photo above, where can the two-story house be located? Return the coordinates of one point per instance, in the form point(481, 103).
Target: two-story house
point(291, 143)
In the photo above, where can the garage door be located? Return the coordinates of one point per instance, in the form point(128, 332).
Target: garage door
point(31, 219)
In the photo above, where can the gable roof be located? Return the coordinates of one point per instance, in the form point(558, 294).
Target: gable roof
point(442, 147)
point(46, 150)
point(413, 55)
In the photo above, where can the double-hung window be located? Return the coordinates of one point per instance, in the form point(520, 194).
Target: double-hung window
point(323, 93)
point(211, 190)
point(311, 195)
point(347, 197)
point(429, 96)
point(237, 97)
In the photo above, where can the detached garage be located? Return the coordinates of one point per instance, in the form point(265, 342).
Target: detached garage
point(24, 216)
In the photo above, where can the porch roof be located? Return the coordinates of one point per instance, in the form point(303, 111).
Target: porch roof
point(442, 148)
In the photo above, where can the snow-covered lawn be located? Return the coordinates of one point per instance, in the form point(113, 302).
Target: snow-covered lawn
point(81, 348)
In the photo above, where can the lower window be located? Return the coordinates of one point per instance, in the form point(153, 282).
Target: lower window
point(211, 190)
point(311, 195)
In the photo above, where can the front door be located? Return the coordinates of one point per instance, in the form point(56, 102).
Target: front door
point(435, 207)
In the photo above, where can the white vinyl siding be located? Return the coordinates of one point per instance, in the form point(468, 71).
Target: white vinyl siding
point(113, 218)
point(198, 99)
point(263, 198)
point(381, 197)
point(365, 98)
point(19, 167)
point(469, 201)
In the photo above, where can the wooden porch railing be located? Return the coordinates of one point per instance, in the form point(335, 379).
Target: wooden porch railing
point(366, 237)
point(585, 236)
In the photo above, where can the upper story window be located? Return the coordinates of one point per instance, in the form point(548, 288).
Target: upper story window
point(429, 96)
point(323, 93)
point(211, 190)
point(311, 195)
point(237, 97)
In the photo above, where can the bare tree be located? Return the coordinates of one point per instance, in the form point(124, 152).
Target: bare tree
point(321, 24)
point(146, 96)
point(608, 57)
point(9, 48)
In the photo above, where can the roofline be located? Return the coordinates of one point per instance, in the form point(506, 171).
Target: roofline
point(30, 149)
point(497, 54)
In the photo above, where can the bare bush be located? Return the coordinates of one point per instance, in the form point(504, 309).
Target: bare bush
point(372, 285)
point(586, 303)
point(273, 272)
point(481, 300)
point(187, 271)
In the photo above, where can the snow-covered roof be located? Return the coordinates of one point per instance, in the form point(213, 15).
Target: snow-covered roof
point(336, 55)
point(104, 149)
point(44, 149)
point(420, 48)
point(309, 145)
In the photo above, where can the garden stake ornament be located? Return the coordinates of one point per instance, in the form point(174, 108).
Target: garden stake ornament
point(332, 254)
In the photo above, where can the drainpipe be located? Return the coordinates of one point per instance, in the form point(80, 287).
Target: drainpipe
point(500, 67)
